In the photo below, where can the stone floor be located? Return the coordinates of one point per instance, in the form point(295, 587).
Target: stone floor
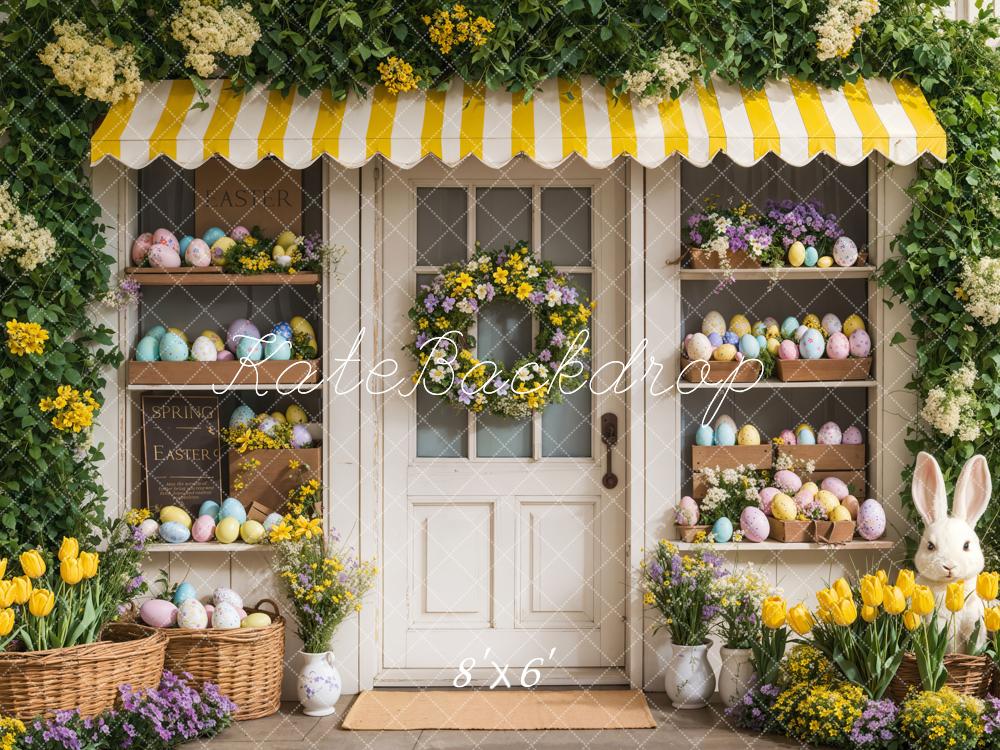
point(705, 729)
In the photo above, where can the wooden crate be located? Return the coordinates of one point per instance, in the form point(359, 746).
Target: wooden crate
point(790, 531)
point(214, 276)
point(726, 457)
point(267, 487)
point(688, 533)
point(809, 370)
point(833, 532)
point(287, 373)
point(828, 457)
point(708, 261)
point(717, 372)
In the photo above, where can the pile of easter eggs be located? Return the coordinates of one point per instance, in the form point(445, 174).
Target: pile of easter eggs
point(223, 522)
point(243, 341)
point(789, 498)
point(828, 434)
point(844, 253)
point(294, 415)
point(721, 343)
point(185, 610)
point(724, 432)
point(162, 249)
point(814, 337)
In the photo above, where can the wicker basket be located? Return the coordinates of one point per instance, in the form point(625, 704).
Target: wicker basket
point(245, 663)
point(968, 675)
point(36, 683)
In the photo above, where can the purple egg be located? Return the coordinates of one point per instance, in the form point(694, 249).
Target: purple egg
point(754, 524)
point(787, 481)
point(861, 344)
point(766, 495)
point(239, 233)
point(140, 247)
point(166, 237)
point(715, 339)
point(225, 356)
point(852, 436)
point(838, 347)
point(238, 329)
point(300, 436)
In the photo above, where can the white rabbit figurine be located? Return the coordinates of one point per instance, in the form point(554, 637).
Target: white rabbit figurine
point(949, 549)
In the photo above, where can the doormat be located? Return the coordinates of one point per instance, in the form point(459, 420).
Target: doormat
point(507, 710)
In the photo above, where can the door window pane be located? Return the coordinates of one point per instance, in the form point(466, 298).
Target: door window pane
point(503, 217)
point(566, 226)
point(504, 332)
point(501, 437)
point(567, 427)
point(441, 428)
point(441, 225)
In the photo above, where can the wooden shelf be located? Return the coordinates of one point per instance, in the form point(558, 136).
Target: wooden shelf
point(207, 547)
point(287, 373)
point(209, 277)
point(209, 387)
point(779, 274)
point(775, 383)
point(773, 546)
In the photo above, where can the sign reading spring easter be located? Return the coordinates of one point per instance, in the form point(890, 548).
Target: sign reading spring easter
point(180, 435)
point(268, 195)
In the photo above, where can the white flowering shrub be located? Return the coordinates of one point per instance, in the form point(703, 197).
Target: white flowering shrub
point(206, 28)
point(839, 26)
point(96, 69)
point(663, 78)
point(952, 409)
point(21, 238)
point(981, 289)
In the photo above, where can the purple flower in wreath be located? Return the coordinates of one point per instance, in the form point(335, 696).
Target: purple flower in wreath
point(465, 394)
point(550, 285)
point(536, 297)
point(655, 571)
point(447, 304)
point(558, 338)
point(503, 387)
point(430, 302)
point(544, 355)
point(421, 340)
point(473, 304)
point(569, 295)
point(696, 238)
point(490, 291)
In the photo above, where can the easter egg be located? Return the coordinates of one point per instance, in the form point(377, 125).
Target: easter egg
point(172, 348)
point(699, 347)
point(157, 332)
point(871, 520)
point(176, 514)
point(198, 254)
point(283, 329)
point(147, 350)
point(753, 524)
point(812, 345)
point(758, 328)
point(158, 613)
point(183, 592)
point(272, 520)
point(722, 530)
point(295, 414)
point(232, 508)
point(239, 233)
point(211, 235)
point(162, 256)
point(769, 321)
point(761, 343)
point(852, 436)
point(749, 346)
point(705, 435)
point(796, 254)
point(140, 248)
point(268, 425)
point(809, 488)
point(209, 508)
point(725, 419)
point(286, 238)
point(788, 350)
point(226, 617)
point(192, 615)
point(222, 246)
point(789, 326)
point(838, 346)
point(766, 495)
point(835, 485)
point(845, 252)
point(203, 350)
point(256, 620)
point(783, 507)
point(184, 243)
point(713, 323)
point(301, 325)
point(839, 514)
point(799, 333)
point(174, 533)
point(805, 436)
point(861, 344)
point(252, 531)
point(240, 330)
point(226, 356)
point(853, 323)
point(730, 338)
point(149, 528)
point(827, 500)
point(277, 252)
point(165, 237)
point(773, 331)
point(301, 437)
point(803, 498)
point(788, 437)
point(179, 333)
point(825, 261)
point(715, 339)
point(225, 595)
point(250, 349)
point(831, 324)
point(787, 481)
point(215, 338)
point(811, 320)
point(278, 417)
point(724, 353)
point(739, 324)
point(748, 435)
point(240, 416)
point(278, 349)
point(829, 434)
point(227, 530)
point(850, 503)
point(773, 346)
point(203, 529)
point(725, 435)
point(811, 257)
point(687, 513)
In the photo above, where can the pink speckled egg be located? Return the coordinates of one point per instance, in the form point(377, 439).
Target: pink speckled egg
point(140, 247)
point(788, 437)
point(804, 497)
point(845, 252)
point(787, 481)
point(829, 434)
point(203, 529)
point(788, 350)
point(225, 355)
point(852, 436)
point(239, 233)
point(754, 524)
point(687, 511)
point(851, 504)
point(766, 495)
point(163, 256)
point(871, 520)
point(198, 253)
point(158, 613)
point(837, 486)
point(861, 344)
point(166, 237)
point(239, 330)
point(838, 347)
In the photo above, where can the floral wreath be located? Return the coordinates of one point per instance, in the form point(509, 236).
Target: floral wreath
point(445, 310)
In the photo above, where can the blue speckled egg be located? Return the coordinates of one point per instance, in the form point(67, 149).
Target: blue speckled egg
point(173, 348)
point(174, 533)
point(812, 345)
point(788, 326)
point(272, 520)
point(212, 235)
point(730, 338)
point(761, 342)
point(722, 530)
point(147, 350)
point(157, 332)
point(805, 436)
point(183, 242)
point(749, 346)
point(705, 435)
point(725, 435)
point(811, 256)
point(183, 592)
point(283, 329)
point(249, 349)
point(209, 508)
point(241, 415)
point(279, 349)
point(233, 508)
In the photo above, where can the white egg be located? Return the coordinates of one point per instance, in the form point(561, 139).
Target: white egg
point(191, 614)
point(226, 617)
point(223, 595)
point(203, 349)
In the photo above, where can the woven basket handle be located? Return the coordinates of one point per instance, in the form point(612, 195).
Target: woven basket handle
point(272, 604)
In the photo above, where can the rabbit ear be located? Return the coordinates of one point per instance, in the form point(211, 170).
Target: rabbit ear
point(972, 490)
point(928, 489)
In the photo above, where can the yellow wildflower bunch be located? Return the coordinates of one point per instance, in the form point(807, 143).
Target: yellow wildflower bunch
point(74, 410)
point(817, 714)
point(97, 69)
point(259, 262)
point(136, 516)
point(10, 730)
point(26, 338)
point(448, 29)
point(206, 28)
point(941, 718)
point(397, 75)
point(249, 437)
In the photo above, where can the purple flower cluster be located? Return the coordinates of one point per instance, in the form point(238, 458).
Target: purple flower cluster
point(991, 721)
point(753, 711)
point(874, 729)
point(803, 221)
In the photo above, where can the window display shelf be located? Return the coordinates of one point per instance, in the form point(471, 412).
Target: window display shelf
point(208, 547)
point(212, 277)
point(288, 373)
point(216, 387)
point(775, 383)
point(773, 546)
point(789, 273)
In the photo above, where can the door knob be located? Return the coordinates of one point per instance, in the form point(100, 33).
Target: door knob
point(609, 436)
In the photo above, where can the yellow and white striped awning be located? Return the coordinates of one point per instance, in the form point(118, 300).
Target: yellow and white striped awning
point(792, 119)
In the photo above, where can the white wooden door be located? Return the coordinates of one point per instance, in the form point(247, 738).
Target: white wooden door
point(500, 543)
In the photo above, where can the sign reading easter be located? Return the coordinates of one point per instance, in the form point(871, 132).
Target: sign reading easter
point(268, 195)
point(181, 451)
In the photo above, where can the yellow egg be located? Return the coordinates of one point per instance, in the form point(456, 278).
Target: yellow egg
point(227, 530)
point(773, 332)
point(252, 531)
point(215, 339)
point(827, 501)
point(175, 513)
point(295, 414)
point(276, 251)
point(797, 254)
point(256, 620)
point(180, 333)
point(853, 323)
point(840, 513)
point(812, 321)
point(285, 239)
point(724, 353)
point(748, 435)
point(739, 324)
point(225, 244)
point(783, 507)
point(773, 344)
point(825, 261)
point(809, 488)
point(278, 417)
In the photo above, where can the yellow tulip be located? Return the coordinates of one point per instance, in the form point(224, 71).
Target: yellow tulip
point(991, 618)
point(954, 597)
point(905, 582)
point(3, 567)
point(882, 576)
point(21, 586)
point(845, 613)
point(6, 621)
point(842, 588)
point(6, 594)
point(88, 564)
point(923, 600)
point(868, 614)
point(871, 592)
point(893, 600)
point(41, 602)
point(773, 612)
point(32, 563)
point(827, 598)
point(70, 571)
point(69, 548)
point(987, 586)
point(800, 619)
point(911, 620)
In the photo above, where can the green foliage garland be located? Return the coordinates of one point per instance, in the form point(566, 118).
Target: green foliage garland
point(46, 485)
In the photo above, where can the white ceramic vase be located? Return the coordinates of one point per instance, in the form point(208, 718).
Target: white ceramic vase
point(736, 675)
point(689, 680)
point(319, 683)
